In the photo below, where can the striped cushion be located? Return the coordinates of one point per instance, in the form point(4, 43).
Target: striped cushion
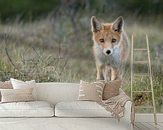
point(91, 91)
point(17, 95)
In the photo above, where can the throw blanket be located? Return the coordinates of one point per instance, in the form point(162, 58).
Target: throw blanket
point(116, 104)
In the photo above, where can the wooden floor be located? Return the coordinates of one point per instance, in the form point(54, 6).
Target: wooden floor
point(148, 126)
point(145, 121)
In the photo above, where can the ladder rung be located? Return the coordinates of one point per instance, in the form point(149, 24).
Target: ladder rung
point(141, 74)
point(141, 62)
point(140, 49)
point(144, 107)
point(142, 91)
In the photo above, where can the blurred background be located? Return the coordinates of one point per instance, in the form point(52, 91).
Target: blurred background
point(51, 40)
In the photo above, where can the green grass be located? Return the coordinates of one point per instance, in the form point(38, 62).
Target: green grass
point(59, 50)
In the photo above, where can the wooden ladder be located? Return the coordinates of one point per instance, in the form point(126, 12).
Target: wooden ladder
point(149, 74)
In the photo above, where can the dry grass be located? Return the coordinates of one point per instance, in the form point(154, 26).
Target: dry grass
point(54, 49)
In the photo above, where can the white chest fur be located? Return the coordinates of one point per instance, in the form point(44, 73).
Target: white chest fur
point(113, 59)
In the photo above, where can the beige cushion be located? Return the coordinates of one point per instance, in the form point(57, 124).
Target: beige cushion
point(16, 95)
point(81, 109)
point(18, 84)
point(111, 89)
point(5, 85)
point(26, 109)
point(89, 91)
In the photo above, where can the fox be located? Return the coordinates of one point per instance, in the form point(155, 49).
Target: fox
point(110, 48)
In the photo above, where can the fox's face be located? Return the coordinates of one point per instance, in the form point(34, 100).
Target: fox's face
point(107, 35)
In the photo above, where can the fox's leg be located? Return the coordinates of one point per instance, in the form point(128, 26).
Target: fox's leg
point(107, 73)
point(115, 74)
point(100, 69)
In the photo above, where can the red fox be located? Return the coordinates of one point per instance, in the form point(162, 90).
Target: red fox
point(110, 48)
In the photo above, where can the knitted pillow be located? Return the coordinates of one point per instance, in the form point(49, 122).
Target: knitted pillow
point(90, 91)
point(111, 89)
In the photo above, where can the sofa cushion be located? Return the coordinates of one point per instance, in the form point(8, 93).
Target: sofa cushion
point(111, 89)
point(80, 109)
point(26, 109)
point(90, 91)
point(5, 85)
point(16, 95)
point(18, 84)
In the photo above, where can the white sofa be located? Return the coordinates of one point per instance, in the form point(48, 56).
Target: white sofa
point(57, 108)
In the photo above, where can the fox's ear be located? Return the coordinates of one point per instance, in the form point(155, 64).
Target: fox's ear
point(118, 24)
point(95, 24)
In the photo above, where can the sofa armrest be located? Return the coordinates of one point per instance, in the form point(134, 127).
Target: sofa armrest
point(127, 112)
point(126, 120)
